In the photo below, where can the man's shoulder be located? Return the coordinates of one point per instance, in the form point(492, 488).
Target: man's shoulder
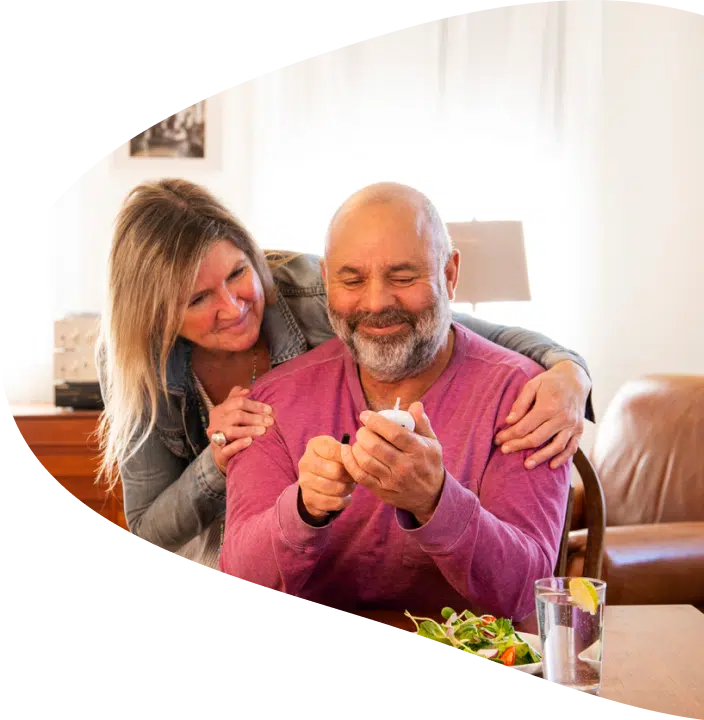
point(302, 371)
point(489, 356)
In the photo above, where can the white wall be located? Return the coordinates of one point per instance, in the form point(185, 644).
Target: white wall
point(70, 246)
point(647, 297)
point(83, 217)
point(642, 307)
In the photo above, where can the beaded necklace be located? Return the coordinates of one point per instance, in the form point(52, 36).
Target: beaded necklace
point(205, 405)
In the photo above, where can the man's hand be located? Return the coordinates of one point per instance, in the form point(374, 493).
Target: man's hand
point(550, 407)
point(324, 482)
point(402, 468)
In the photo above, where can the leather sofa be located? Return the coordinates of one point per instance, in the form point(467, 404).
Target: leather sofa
point(649, 455)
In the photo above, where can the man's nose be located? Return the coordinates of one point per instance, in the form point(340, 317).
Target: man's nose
point(377, 296)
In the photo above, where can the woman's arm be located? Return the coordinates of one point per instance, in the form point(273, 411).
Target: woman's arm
point(537, 347)
point(550, 411)
point(167, 501)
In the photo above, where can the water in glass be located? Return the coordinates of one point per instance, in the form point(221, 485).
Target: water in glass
point(571, 640)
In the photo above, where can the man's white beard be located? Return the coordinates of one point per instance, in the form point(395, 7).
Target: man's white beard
point(395, 357)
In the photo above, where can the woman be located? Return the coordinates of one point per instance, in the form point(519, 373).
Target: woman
point(195, 315)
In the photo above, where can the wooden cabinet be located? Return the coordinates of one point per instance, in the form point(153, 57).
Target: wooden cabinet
point(64, 442)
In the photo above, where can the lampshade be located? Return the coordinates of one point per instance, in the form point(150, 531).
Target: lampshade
point(492, 261)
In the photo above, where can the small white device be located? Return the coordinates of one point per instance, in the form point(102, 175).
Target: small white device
point(75, 372)
point(400, 417)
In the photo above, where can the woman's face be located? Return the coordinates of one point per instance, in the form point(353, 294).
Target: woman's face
point(226, 307)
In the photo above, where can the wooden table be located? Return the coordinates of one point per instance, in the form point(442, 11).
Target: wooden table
point(64, 441)
point(670, 680)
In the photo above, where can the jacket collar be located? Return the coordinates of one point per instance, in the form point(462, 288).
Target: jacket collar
point(281, 332)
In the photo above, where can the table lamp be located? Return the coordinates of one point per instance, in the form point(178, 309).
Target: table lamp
point(492, 261)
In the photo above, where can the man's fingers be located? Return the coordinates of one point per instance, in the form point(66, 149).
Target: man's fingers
point(396, 435)
point(325, 486)
point(326, 447)
point(354, 470)
point(558, 444)
point(328, 469)
point(369, 464)
point(318, 502)
point(423, 427)
point(566, 454)
point(377, 447)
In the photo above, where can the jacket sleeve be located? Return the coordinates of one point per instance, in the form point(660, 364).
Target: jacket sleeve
point(539, 348)
point(266, 540)
point(167, 500)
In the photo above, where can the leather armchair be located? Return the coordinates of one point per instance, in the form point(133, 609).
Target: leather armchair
point(649, 455)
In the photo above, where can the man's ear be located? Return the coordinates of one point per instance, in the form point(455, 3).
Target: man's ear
point(323, 273)
point(452, 273)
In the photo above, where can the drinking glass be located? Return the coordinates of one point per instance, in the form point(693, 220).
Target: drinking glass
point(572, 638)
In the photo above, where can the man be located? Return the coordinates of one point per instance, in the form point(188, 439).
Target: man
point(398, 519)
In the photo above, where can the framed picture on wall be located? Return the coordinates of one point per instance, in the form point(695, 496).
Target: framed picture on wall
point(181, 135)
point(185, 142)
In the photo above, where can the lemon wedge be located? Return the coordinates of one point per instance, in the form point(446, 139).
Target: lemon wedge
point(584, 595)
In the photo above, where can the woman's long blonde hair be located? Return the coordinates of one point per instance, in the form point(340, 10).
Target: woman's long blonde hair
point(162, 233)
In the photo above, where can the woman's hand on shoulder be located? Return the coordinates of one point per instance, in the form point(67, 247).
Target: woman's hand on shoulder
point(548, 414)
point(240, 420)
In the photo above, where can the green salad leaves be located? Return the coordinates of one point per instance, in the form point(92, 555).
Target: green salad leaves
point(484, 635)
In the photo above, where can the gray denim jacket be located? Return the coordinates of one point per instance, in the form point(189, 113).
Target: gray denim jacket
point(173, 491)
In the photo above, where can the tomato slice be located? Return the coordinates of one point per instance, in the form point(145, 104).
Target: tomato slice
point(508, 657)
point(488, 619)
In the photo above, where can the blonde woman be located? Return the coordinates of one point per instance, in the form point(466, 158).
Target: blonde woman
point(195, 314)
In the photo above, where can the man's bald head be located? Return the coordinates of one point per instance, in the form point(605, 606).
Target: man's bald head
point(405, 199)
point(390, 275)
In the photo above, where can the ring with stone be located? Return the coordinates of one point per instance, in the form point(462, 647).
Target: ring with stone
point(219, 439)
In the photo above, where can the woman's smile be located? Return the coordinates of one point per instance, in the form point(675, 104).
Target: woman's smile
point(235, 325)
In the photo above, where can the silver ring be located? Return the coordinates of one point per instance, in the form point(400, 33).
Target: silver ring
point(219, 439)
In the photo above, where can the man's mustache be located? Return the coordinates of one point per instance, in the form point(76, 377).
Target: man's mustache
point(385, 318)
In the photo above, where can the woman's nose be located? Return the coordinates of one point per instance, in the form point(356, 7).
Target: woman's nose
point(230, 302)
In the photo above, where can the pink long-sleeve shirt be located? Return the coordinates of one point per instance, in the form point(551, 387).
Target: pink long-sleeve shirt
point(496, 528)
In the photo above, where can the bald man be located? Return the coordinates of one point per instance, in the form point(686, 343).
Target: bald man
point(397, 519)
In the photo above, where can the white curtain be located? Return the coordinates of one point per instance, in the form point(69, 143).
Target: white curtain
point(494, 115)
